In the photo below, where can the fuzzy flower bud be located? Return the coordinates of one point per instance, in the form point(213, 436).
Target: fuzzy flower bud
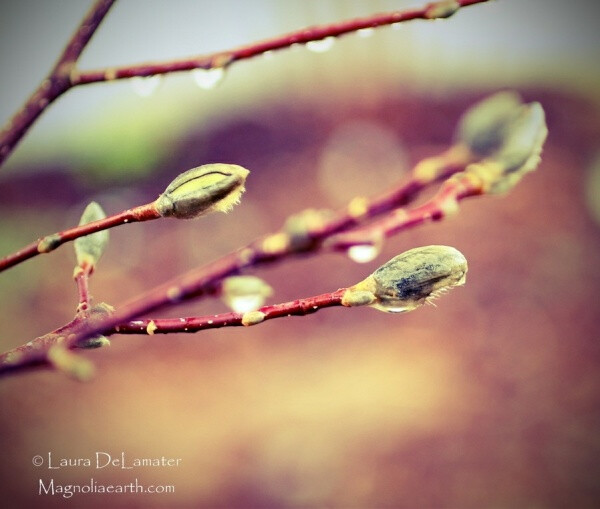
point(210, 188)
point(410, 280)
point(89, 249)
point(484, 126)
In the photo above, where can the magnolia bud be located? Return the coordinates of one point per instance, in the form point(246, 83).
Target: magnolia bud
point(483, 127)
point(89, 249)
point(208, 188)
point(410, 279)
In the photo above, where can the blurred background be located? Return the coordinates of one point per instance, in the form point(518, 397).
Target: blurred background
point(490, 399)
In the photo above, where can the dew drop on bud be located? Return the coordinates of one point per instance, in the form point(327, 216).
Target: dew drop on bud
point(363, 253)
point(208, 78)
point(145, 87)
point(320, 46)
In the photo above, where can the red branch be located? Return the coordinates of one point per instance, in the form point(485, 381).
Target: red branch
point(298, 307)
point(225, 58)
point(57, 82)
point(51, 242)
point(82, 276)
point(34, 353)
point(443, 204)
point(65, 75)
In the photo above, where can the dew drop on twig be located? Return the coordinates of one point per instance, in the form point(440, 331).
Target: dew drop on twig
point(320, 46)
point(145, 87)
point(208, 78)
point(365, 32)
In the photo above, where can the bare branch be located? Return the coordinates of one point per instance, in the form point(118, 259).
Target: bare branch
point(57, 82)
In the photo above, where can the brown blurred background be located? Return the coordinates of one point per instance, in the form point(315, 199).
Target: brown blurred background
point(491, 399)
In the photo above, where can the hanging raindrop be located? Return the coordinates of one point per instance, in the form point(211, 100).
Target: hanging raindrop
point(145, 87)
point(365, 32)
point(245, 293)
point(208, 78)
point(320, 46)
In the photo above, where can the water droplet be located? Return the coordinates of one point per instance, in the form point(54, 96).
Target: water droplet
point(392, 309)
point(364, 253)
point(208, 78)
point(320, 46)
point(268, 55)
point(245, 293)
point(396, 26)
point(365, 32)
point(245, 303)
point(145, 87)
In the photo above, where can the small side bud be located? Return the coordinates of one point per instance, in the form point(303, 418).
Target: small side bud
point(245, 293)
point(353, 297)
point(298, 227)
point(442, 9)
point(412, 279)
point(483, 127)
point(94, 342)
point(49, 243)
point(210, 188)
point(90, 248)
point(252, 318)
point(72, 365)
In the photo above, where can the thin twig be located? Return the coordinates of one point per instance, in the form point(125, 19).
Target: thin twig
point(82, 276)
point(299, 307)
point(51, 242)
point(65, 74)
point(225, 58)
point(57, 82)
point(34, 353)
point(443, 204)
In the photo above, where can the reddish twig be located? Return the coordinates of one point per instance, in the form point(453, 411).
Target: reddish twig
point(34, 353)
point(51, 242)
point(299, 307)
point(81, 276)
point(443, 204)
point(225, 58)
point(268, 249)
point(65, 75)
point(57, 82)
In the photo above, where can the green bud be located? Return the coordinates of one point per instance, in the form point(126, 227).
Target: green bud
point(209, 188)
point(484, 126)
point(89, 249)
point(521, 151)
point(410, 279)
